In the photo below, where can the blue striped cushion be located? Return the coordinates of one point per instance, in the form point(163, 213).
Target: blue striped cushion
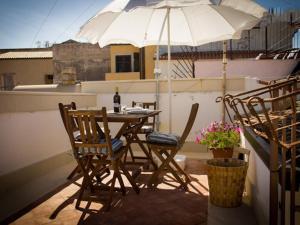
point(160, 138)
point(76, 135)
point(115, 143)
point(116, 146)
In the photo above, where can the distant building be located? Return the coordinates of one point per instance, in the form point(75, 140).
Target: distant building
point(24, 66)
point(131, 63)
point(65, 63)
point(75, 61)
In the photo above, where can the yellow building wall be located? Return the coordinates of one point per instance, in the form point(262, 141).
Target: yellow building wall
point(129, 50)
point(120, 50)
point(28, 71)
point(149, 62)
point(122, 76)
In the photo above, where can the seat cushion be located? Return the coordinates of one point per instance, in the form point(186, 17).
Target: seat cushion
point(115, 143)
point(116, 146)
point(161, 138)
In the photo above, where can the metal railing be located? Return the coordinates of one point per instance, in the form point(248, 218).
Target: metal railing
point(272, 113)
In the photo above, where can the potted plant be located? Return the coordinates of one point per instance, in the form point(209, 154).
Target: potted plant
point(221, 138)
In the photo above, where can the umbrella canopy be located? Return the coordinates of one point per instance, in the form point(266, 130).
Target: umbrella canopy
point(192, 23)
point(181, 22)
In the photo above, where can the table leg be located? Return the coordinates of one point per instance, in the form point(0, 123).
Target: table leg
point(146, 152)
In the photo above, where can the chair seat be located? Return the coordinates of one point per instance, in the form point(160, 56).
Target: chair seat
point(117, 144)
point(165, 139)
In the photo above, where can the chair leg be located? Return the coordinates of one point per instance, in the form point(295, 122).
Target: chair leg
point(177, 177)
point(165, 163)
point(131, 153)
point(111, 192)
point(129, 177)
point(80, 194)
point(170, 169)
point(154, 178)
point(187, 177)
point(121, 183)
point(123, 189)
point(145, 150)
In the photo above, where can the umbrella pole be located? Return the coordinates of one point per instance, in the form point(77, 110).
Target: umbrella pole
point(169, 75)
point(224, 78)
point(156, 72)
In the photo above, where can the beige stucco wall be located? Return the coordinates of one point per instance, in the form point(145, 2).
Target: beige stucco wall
point(130, 50)
point(149, 86)
point(22, 101)
point(28, 71)
point(32, 128)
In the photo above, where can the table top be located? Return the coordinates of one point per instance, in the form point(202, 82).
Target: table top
point(122, 117)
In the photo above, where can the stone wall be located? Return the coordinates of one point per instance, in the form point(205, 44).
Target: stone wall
point(90, 61)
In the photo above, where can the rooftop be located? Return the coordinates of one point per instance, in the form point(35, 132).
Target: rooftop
point(27, 55)
point(33, 169)
point(165, 205)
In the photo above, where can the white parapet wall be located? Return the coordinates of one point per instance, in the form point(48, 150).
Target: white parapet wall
point(185, 92)
point(32, 130)
point(31, 126)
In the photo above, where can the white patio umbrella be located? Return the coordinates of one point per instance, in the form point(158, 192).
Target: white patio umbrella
point(181, 22)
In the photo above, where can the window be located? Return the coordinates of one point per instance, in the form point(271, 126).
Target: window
point(136, 62)
point(123, 63)
point(49, 78)
point(7, 81)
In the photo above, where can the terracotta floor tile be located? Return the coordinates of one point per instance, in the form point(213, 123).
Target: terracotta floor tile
point(164, 205)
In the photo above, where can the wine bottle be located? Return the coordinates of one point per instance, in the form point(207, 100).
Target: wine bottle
point(117, 101)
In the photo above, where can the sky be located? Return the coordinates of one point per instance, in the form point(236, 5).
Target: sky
point(26, 23)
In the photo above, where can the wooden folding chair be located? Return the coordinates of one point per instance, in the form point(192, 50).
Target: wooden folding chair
point(94, 152)
point(146, 129)
point(149, 125)
point(75, 131)
point(166, 150)
point(70, 106)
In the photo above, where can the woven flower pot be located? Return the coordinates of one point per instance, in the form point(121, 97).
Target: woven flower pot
point(226, 180)
point(222, 152)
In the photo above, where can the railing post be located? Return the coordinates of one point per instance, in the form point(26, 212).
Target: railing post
point(273, 205)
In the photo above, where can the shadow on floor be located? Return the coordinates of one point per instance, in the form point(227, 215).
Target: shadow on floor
point(166, 204)
point(151, 207)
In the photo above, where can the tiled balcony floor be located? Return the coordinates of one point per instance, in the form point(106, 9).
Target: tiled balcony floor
point(165, 205)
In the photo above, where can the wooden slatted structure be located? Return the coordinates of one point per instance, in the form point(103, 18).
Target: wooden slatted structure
point(272, 113)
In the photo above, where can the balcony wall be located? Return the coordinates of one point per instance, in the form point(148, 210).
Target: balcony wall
point(35, 150)
point(184, 94)
point(258, 185)
point(31, 127)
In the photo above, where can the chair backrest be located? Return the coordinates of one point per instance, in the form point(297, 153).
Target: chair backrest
point(90, 138)
point(62, 106)
point(189, 123)
point(147, 105)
